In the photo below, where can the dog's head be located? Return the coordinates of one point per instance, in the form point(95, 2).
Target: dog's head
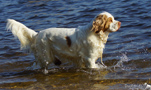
point(105, 22)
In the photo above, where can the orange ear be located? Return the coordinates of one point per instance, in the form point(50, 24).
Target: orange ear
point(99, 23)
point(108, 22)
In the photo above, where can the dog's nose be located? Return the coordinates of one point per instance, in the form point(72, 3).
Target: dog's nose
point(119, 24)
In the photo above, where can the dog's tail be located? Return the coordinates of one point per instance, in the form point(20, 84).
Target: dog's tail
point(24, 34)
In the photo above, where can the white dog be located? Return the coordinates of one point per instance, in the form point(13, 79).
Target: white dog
point(82, 46)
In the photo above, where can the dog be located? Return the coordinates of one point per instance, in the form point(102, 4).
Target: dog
point(82, 45)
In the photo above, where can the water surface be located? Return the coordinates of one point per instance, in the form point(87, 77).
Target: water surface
point(127, 53)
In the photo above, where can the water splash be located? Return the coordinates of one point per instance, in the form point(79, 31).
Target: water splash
point(120, 63)
point(147, 86)
point(144, 86)
point(100, 66)
point(45, 71)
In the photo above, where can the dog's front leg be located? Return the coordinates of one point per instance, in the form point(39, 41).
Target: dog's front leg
point(90, 63)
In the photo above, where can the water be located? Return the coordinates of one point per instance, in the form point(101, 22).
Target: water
point(127, 53)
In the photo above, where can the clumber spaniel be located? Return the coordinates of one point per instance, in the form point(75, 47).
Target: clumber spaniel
point(82, 45)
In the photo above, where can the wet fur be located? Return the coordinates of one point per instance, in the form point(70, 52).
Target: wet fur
point(82, 45)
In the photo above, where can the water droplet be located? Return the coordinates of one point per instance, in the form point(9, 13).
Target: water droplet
point(84, 42)
point(71, 50)
point(45, 71)
point(47, 63)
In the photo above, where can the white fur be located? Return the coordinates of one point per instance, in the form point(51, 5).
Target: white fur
point(51, 44)
point(18, 30)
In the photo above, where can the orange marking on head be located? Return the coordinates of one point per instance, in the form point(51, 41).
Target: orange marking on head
point(102, 22)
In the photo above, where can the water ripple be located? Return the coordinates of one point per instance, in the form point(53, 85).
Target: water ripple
point(133, 38)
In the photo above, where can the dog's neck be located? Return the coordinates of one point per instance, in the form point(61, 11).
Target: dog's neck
point(103, 36)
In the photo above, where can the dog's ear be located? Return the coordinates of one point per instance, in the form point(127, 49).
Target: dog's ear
point(107, 24)
point(99, 23)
